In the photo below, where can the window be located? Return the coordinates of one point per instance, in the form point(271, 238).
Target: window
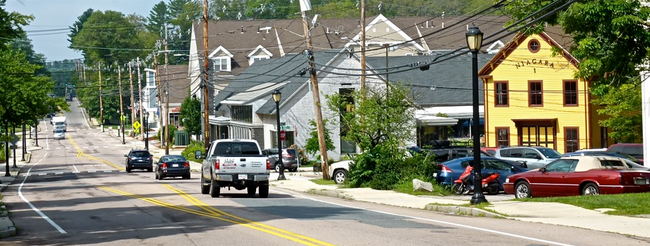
point(253, 59)
point(242, 113)
point(503, 137)
point(535, 94)
point(151, 78)
point(571, 143)
point(221, 63)
point(570, 93)
point(346, 146)
point(533, 45)
point(500, 94)
point(562, 165)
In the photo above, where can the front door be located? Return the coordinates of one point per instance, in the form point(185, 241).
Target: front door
point(537, 135)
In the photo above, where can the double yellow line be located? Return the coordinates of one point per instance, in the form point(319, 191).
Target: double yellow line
point(81, 154)
point(211, 212)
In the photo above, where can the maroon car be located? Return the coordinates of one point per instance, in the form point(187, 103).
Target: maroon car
point(579, 175)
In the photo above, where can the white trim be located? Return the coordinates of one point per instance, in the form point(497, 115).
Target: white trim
point(221, 48)
point(260, 47)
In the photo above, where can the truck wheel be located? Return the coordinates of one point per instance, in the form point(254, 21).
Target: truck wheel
point(264, 190)
point(205, 189)
point(214, 189)
point(251, 190)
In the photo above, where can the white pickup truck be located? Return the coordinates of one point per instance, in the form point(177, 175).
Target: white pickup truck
point(237, 163)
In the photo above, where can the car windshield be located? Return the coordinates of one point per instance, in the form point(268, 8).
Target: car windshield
point(549, 153)
point(58, 131)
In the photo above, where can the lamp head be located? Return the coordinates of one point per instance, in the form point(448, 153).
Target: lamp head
point(277, 96)
point(474, 38)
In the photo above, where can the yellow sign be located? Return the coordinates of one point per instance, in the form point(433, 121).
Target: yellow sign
point(123, 118)
point(136, 125)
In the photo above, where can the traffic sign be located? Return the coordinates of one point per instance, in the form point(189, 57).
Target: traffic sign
point(285, 128)
point(136, 125)
point(283, 135)
point(14, 139)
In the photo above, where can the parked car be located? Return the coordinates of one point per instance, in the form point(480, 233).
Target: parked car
point(289, 159)
point(579, 175)
point(451, 152)
point(338, 171)
point(172, 166)
point(629, 160)
point(489, 150)
point(529, 157)
point(451, 170)
point(139, 159)
point(58, 134)
point(633, 149)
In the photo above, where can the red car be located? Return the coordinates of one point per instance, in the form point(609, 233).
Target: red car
point(579, 175)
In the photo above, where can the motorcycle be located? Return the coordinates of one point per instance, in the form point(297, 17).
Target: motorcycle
point(463, 185)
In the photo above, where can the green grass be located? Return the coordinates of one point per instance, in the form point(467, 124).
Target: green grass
point(624, 204)
point(323, 182)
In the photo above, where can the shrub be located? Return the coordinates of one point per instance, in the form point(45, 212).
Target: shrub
point(172, 132)
point(189, 151)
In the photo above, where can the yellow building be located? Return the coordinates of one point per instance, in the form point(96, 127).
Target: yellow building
point(532, 98)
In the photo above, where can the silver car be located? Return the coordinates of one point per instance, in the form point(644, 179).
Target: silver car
point(529, 157)
point(59, 134)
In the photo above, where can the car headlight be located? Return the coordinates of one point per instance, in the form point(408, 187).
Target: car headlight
point(507, 180)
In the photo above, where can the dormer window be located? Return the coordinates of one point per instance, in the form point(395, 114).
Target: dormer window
point(259, 53)
point(256, 58)
point(221, 64)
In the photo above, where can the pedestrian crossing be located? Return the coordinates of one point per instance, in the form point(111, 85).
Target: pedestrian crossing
point(69, 172)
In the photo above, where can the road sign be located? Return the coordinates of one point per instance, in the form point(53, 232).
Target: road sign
point(14, 139)
point(123, 118)
point(285, 128)
point(136, 125)
point(283, 135)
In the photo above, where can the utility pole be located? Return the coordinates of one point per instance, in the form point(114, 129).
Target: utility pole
point(166, 96)
point(119, 81)
point(316, 94)
point(140, 99)
point(101, 105)
point(132, 99)
point(363, 47)
point(158, 89)
point(206, 97)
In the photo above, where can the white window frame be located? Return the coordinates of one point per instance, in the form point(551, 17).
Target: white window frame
point(252, 59)
point(218, 63)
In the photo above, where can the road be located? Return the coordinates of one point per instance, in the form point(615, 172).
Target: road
point(78, 193)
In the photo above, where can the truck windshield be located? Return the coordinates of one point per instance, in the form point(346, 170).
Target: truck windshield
point(59, 123)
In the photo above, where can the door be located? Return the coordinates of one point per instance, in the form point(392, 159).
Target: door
point(537, 135)
point(553, 180)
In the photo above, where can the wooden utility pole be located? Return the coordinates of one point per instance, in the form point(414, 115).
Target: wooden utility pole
point(363, 46)
point(119, 82)
point(206, 68)
point(316, 94)
point(140, 104)
point(101, 104)
point(158, 89)
point(167, 142)
point(132, 99)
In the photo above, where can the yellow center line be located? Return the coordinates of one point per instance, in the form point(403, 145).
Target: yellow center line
point(209, 208)
point(81, 154)
point(212, 213)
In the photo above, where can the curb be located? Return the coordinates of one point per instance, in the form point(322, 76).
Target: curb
point(461, 210)
point(4, 219)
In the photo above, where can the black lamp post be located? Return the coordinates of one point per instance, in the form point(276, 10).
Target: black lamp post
point(474, 40)
point(122, 118)
point(146, 129)
point(276, 98)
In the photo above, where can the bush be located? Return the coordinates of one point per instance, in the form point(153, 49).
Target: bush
point(172, 132)
point(189, 151)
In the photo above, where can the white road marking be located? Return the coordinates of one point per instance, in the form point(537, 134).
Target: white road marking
point(436, 221)
point(75, 168)
point(20, 194)
point(82, 113)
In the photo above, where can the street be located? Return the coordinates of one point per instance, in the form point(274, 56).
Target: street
point(75, 191)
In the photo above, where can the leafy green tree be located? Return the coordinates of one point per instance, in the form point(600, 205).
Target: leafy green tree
point(625, 113)
point(11, 24)
point(377, 122)
point(79, 24)
point(312, 147)
point(610, 41)
point(158, 18)
point(190, 115)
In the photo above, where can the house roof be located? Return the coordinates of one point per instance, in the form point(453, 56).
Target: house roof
point(264, 76)
point(179, 83)
point(445, 83)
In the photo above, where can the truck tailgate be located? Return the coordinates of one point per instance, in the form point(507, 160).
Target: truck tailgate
point(242, 165)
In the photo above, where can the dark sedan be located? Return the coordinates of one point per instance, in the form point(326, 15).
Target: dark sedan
point(172, 166)
point(138, 159)
point(451, 170)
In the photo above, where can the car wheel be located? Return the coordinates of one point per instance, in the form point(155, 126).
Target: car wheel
point(340, 176)
point(590, 189)
point(264, 190)
point(186, 176)
point(251, 190)
point(150, 169)
point(128, 169)
point(214, 188)
point(522, 190)
point(205, 189)
point(458, 188)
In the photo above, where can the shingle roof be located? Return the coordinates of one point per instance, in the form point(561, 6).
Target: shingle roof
point(445, 83)
point(179, 82)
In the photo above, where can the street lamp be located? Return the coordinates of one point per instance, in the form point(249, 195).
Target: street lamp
point(276, 98)
point(474, 39)
point(146, 128)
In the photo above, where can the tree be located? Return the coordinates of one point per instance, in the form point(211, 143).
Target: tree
point(190, 115)
point(78, 25)
point(625, 114)
point(378, 122)
point(312, 147)
point(610, 41)
point(158, 18)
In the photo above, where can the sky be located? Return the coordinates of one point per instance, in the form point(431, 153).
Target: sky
point(61, 14)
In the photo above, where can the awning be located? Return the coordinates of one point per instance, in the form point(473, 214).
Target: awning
point(426, 119)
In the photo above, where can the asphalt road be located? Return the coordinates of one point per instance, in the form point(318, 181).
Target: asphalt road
point(85, 197)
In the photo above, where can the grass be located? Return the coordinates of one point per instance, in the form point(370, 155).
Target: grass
point(624, 204)
point(323, 182)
